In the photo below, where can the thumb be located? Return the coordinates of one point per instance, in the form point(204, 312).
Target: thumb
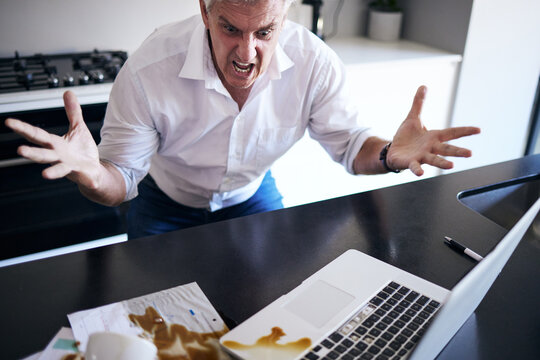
point(418, 103)
point(73, 109)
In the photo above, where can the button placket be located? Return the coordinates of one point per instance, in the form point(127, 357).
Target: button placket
point(235, 152)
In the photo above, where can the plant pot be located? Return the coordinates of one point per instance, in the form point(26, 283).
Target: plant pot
point(384, 25)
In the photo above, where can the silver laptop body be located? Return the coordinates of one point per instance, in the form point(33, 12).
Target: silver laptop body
point(336, 300)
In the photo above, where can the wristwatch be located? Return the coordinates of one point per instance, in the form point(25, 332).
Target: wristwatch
point(382, 157)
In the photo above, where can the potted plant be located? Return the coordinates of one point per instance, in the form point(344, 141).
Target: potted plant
point(384, 20)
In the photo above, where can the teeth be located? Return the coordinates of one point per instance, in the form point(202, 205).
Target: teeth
point(242, 67)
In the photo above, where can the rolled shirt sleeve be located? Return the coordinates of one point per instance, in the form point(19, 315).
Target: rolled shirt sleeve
point(129, 138)
point(334, 121)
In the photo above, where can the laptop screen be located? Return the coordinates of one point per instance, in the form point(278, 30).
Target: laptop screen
point(469, 292)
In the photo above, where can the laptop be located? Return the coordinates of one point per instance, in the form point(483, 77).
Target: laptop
point(358, 307)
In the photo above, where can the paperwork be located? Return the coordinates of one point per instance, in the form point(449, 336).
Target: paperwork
point(180, 321)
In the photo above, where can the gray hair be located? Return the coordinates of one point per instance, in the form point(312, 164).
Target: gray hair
point(209, 3)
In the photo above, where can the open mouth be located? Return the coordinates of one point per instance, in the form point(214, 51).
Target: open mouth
point(242, 67)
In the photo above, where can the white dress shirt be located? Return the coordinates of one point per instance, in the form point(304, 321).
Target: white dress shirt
point(169, 114)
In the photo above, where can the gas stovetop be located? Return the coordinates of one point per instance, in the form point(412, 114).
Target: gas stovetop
point(38, 81)
point(47, 214)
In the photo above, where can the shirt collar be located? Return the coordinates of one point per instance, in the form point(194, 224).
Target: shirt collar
point(199, 59)
point(280, 62)
point(197, 55)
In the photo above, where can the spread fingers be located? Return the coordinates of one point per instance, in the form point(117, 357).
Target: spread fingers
point(56, 171)
point(437, 161)
point(458, 132)
point(446, 149)
point(31, 133)
point(39, 155)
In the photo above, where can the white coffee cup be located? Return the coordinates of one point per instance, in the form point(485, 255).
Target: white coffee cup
point(114, 346)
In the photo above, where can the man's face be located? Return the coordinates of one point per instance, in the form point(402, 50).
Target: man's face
point(243, 38)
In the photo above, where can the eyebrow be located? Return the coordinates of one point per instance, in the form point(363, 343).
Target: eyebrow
point(266, 27)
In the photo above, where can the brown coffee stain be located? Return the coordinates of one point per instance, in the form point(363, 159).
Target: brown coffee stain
point(271, 342)
point(175, 341)
point(73, 357)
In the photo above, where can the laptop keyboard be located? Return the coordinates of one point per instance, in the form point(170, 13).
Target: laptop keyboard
point(388, 327)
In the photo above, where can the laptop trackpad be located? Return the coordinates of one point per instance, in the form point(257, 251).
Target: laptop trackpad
point(319, 303)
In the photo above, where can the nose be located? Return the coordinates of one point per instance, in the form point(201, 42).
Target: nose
point(247, 48)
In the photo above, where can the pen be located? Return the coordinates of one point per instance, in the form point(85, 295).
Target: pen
point(462, 249)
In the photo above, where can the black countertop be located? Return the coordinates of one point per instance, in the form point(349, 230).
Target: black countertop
point(244, 264)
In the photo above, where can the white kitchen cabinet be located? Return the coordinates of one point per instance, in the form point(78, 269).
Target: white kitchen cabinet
point(383, 79)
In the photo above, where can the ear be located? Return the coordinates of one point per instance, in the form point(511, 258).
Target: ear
point(204, 13)
point(284, 20)
point(285, 16)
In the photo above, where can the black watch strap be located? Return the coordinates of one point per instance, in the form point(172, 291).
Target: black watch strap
point(382, 157)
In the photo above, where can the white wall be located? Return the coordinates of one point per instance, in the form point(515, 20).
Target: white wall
point(439, 23)
point(55, 26)
point(498, 79)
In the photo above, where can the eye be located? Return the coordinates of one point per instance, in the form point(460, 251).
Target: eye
point(229, 28)
point(264, 33)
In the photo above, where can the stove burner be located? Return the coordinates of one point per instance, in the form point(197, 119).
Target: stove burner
point(23, 73)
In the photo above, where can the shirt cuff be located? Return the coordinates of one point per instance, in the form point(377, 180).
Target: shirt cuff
point(356, 142)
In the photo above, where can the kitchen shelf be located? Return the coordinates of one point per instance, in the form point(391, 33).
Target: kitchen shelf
point(364, 51)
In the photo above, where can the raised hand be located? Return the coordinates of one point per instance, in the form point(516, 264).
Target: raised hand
point(73, 155)
point(414, 145)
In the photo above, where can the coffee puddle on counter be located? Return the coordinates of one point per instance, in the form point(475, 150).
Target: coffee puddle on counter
point(73, 357)
point(175, 341)
point(268, 345)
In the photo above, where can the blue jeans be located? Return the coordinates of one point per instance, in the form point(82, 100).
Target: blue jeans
point(153, 212)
